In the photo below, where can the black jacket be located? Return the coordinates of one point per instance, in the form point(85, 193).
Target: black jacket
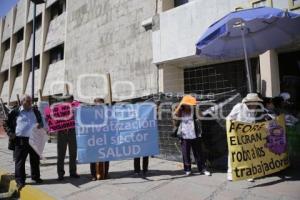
point(197, 123)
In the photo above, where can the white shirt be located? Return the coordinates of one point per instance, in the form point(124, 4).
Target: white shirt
point(25, 122)
point(240, 112)
point(188, 127)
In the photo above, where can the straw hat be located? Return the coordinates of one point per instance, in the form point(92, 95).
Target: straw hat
point(186, 100)
point(252, 97)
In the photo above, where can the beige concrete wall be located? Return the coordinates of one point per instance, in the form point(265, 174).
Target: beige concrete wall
point(38, 40)
point(54, 78)
point(8, 26)
point(4, 92)
point(6, 61)
point(269, 70)
point(179, 28)
point(56, 32)
point(18, 55)
point(17, 85)
point(107, 36)
point(171, 79)
point(50, 2)
point(20, 15)
point(39, 10)
point(36, 83)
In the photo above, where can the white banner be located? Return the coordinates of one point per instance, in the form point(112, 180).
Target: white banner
point(38, 139)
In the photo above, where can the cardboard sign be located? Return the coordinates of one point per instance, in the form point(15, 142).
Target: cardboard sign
point(38, 139)
point(258, 149)
point(119, 132)
point(60, 116)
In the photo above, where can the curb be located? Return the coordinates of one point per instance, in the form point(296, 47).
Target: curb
point(27, 193)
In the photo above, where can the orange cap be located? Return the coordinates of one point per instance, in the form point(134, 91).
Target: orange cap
point(186, 100)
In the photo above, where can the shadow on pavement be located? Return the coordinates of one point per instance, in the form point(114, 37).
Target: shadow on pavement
point(290, 174)
point(86, 178)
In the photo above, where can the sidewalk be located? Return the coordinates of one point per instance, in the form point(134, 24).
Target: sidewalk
point(165, 181)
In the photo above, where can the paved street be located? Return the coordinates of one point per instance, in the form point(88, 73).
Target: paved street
point(165, 181)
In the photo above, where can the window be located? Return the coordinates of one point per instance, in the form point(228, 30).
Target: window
point(180, 2)
point(38, 22)
point(20, 35)
point(57, 54)
point(6, 44)
point(5, 76)
point(18, 70)
point(37, 63)
point(57, 9)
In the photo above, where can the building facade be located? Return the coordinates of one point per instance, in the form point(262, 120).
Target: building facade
point(176, 30)
point(78, 43)
point(147, 47)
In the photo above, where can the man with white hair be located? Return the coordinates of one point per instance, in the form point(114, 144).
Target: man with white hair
point(21, 121)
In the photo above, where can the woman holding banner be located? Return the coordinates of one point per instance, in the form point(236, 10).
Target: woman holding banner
point(250, 110)
point(99, 170)
point(188, 129)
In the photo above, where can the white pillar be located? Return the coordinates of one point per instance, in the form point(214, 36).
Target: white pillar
point(171, 79)
point(269, 69)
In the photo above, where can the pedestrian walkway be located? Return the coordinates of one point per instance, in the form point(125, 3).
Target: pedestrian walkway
point(164, 181)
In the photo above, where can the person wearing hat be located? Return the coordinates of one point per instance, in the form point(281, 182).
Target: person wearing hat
point(247, 111)
point(250, 110)
point(188, 130)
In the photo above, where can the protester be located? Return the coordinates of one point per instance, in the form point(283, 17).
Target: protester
point(67, 138)
point(137, 165)
point(20, 123)
point(269, 108)
point(99, 170)
point(11, 136)
point(250, 110)
point(189, 130)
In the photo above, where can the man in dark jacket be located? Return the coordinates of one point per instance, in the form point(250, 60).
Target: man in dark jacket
point(20, 124)
point(66, 138)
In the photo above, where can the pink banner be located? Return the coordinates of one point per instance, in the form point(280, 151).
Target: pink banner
point(60, 116)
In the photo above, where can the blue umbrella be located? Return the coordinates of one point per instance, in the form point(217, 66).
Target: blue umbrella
point(248, 33)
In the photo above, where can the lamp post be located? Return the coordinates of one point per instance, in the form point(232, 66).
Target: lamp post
point(35, 2)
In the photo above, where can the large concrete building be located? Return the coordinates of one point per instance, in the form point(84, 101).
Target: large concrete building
point(147, 46)
point(77, 43)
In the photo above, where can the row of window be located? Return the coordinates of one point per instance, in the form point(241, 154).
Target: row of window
point(56, 54)
point(55, 10)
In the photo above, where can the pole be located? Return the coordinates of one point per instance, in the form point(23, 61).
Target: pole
point(248, 70)
point(40, 95)
point(109, 89)
point(33, 52)
point(18, 99)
